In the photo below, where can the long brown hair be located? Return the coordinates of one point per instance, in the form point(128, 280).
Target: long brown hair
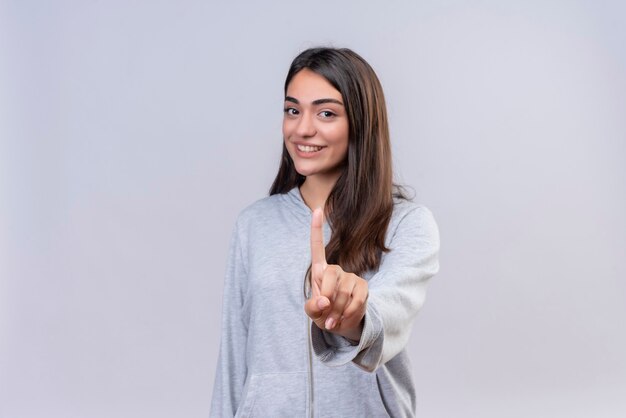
point(360, 204)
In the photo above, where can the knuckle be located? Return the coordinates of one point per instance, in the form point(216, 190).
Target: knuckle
point(328, 272)
point(336, 313)
point(336, 270)
point(359, 301)
point(347, 314)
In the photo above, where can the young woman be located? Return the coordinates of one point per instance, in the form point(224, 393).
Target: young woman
point(317, 314)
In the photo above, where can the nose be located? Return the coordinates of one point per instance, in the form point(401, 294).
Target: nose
point(306, 127)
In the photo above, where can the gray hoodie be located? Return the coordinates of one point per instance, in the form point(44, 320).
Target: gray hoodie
point(274, 362)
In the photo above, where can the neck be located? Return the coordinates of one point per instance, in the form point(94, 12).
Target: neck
point(316, 189)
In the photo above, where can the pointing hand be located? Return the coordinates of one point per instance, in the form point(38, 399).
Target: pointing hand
point(338, 299)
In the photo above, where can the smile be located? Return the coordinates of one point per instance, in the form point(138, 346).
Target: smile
point(308, 148)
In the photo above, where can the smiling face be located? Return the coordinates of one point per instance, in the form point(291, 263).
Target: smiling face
point(315, 125)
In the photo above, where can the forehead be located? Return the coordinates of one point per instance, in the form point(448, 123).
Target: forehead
point(308, 85)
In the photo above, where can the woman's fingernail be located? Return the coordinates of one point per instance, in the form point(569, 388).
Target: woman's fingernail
point(330, 323)
point(323, 303)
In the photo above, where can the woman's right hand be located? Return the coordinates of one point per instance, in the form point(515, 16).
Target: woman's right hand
point(339, 299)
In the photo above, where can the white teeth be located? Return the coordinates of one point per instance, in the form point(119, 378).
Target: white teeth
point(307, 148)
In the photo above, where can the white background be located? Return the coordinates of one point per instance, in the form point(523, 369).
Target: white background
point(132, 134)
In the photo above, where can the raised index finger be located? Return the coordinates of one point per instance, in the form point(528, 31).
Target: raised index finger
point(318, 253)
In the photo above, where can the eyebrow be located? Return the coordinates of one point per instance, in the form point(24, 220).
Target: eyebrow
point(314, 102)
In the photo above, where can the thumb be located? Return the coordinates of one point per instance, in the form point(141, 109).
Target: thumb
point(316, 306)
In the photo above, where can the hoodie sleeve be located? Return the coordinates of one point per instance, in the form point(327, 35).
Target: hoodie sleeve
point(396, 293)
point(231, 368)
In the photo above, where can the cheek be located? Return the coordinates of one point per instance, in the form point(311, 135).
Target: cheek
point(344, 151)
point(339, 138)
point(288, 127)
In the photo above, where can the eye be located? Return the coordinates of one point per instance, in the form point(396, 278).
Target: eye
point(291, 111)
point(326, 114)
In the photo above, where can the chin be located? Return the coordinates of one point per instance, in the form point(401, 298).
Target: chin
point(302, 169)
point(304, 172)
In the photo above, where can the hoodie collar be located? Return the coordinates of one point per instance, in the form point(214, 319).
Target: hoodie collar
point(295, 202)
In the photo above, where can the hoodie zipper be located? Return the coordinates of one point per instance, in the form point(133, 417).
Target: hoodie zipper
point(311, 403)
point(307, 295)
